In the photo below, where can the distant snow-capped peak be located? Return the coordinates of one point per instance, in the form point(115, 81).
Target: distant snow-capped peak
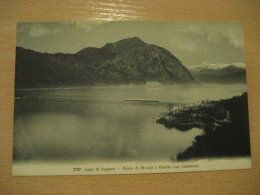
point(216, 66)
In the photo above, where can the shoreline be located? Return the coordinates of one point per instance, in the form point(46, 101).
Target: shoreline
point(225, 125)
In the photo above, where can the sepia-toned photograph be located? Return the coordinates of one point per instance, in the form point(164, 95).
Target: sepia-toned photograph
point(130, 97)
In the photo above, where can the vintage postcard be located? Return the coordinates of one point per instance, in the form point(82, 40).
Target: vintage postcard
point(128, 97)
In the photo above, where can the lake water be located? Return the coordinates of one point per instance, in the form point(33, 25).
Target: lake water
point(109, 128)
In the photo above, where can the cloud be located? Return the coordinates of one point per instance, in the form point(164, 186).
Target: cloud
point(187, 44)
point(234, 32)
point(85, 25)
point(214, 31)
point(37, 29)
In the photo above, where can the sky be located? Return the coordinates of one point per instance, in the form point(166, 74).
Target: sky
point(193, 42)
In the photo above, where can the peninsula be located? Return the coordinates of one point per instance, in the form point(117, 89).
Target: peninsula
point(225, 124)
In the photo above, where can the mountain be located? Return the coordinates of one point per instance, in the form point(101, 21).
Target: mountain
point(123, 62)
point(222, 74)
point(215, 66)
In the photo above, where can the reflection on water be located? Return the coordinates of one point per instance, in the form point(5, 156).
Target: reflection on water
point(71, 130)
point(79, 130)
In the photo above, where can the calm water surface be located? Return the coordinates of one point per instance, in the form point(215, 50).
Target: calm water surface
point(117, 130)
